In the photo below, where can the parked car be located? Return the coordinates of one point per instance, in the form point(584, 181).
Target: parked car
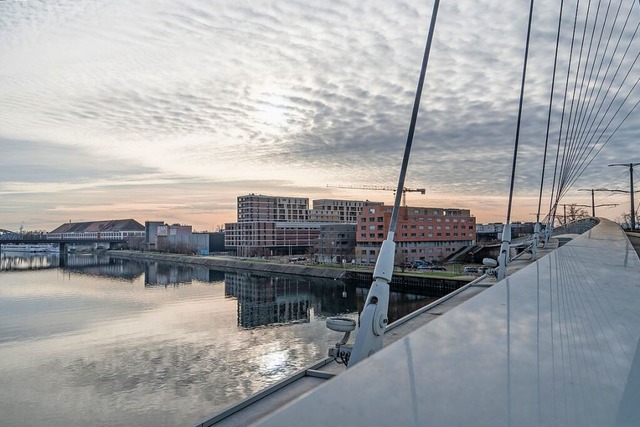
point(469, 269)
point(432, 268)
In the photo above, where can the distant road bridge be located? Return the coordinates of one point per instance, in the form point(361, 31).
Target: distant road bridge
point(63, 239)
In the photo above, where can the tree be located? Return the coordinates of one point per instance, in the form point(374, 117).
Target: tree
point(574, 213)
point(625, 221)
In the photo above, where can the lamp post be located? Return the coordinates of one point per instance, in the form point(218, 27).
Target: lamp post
point(633, 214)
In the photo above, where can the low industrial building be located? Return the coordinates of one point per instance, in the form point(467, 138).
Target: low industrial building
point(129, 231)
point(180, 238)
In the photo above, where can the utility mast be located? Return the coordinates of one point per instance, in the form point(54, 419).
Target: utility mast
point(632, 212)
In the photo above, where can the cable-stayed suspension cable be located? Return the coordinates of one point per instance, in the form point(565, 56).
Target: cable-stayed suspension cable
point(553, 82)
point(584, 143)
point(586, 133)
point(568, 142)
point(582, 116)
point(558, 170)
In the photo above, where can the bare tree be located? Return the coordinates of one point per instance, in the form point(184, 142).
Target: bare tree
point(574, 213)
point(625, 221)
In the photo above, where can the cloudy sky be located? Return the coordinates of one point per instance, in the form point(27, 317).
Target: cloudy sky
point(170, 109)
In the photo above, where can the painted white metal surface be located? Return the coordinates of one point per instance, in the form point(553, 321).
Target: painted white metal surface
point(556, 344)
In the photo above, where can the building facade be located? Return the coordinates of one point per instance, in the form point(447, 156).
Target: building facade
point(428, 234)
point(280, 225)
point(335, 210)
point(114, 228)
point(336, 243)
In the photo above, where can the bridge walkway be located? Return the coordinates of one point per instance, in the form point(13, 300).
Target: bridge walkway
point(557, 343)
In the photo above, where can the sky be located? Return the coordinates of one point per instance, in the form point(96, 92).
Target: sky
point(171, 109)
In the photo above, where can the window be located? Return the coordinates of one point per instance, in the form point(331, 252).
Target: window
point(380, 219)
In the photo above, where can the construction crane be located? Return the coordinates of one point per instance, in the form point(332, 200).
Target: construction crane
point(405, 190)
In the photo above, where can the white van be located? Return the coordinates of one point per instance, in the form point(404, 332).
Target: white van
point(470, 269)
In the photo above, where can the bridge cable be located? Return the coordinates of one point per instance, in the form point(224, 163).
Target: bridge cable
point(569, 142)
point(584, 144)
point(577, 155)
point(580, 106)
point(553, 204)
point(589, 108)
point(520, 102)
point(561, 185)
point(553, 82)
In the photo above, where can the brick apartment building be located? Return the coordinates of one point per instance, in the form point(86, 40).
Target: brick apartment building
point(429, 234)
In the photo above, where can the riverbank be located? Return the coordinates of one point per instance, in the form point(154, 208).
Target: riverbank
point(262, 265)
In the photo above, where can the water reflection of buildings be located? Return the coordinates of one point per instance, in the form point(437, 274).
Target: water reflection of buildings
point(15, 261)
point(102, 265)
point(265, 300)
point(161, 274)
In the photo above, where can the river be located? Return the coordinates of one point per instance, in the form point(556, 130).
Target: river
point(103, 341)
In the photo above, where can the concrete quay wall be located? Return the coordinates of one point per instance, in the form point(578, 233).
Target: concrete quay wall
point(226, 263)
point(407, 283)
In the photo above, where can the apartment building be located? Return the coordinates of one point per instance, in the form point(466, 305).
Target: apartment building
point(335, 210)
point(428, 234)
point(282, 225)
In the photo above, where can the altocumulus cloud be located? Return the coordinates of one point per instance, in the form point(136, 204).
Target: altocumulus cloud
point(230, 94)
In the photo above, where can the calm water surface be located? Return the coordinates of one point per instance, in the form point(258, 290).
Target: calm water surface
point(89, 340)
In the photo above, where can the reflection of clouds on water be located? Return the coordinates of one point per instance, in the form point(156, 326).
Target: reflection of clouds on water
point(97, 347)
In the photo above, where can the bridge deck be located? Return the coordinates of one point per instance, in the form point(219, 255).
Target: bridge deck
point(557, 343)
